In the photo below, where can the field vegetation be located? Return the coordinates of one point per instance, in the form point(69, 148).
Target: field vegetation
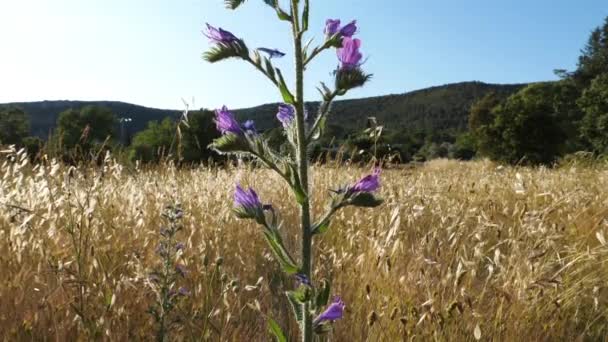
point(458, 251)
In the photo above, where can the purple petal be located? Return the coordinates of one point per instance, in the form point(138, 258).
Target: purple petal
point(219, 36)
point(272, 53)
point(331, 27)
point(333, 312)
point(349, 54)
point(226, 123)
point(349, 30)
point(247, 199)
point(286, 114)
point(249, 127)
point(369, 183)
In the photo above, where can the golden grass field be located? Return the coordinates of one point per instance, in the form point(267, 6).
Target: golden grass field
point(459, 251)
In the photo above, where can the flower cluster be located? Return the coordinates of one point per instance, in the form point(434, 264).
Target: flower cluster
point(310, 299)
point(165, 278)
point(226, 123)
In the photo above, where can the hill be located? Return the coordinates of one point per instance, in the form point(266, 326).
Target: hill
point(438, 108)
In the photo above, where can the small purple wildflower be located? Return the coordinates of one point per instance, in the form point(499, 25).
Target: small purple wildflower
point(246, 199)
point(181, 270)
point(349, 54)
point(180, 246)
point(286, 114)
point(272, 53)
point(349, 30)
point(369, 183)
point(302, 279)
point(182, 291)
point(249, 127)
point(226, 123)
point(219, 36)
point(333, 312)
point(332, 26)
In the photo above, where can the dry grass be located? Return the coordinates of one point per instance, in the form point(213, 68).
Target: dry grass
point(458, 251)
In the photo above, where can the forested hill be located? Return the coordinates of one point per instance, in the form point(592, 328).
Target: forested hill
point(43, 115)
point(437, 108)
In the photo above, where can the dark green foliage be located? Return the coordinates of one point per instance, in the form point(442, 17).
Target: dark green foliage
point(14, 126)
point(155, 142)
point(526, 127)
point(197, 135)
point(480, 118)
point(594, 125)
point(164, 140)
point(86, 127)
point(33, 146)
point(594, 58)
point(464, 148)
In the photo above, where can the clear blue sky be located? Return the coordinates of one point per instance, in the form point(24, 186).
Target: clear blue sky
point(148, 52)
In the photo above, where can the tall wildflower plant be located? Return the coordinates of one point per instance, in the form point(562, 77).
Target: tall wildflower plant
point(310, 301)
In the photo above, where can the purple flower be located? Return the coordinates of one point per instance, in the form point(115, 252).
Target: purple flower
point(333, 312)
point(349, 30)
point(219, 36)
point(286, 114)
point(332, 26)
point(246, 199)
point(272, 53)
point(349, 54)
point(181, 270)
point(226, 123)
point(183, 292)
point(249, 127)
point(302, 279)
point(180, 246)
point(369, 183)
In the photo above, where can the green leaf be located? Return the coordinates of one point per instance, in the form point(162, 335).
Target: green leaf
point(296, 307)
point(366, 200)
point(296, 185)
point(230, 143)
point(269, 69)
point(323, 328)
point(222, 51)
point(321, 227)
point(287, 96)
point(275, 329)
point(276, 245)
point(323, 294)
point(233, 4)
point(306, 15)
point(350, 79)
point(302, 294)
point(282, 14)
point(316, 135)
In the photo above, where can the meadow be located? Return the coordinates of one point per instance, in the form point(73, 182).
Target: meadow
point(458, 251)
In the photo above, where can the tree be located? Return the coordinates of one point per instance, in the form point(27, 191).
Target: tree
point(481, 118)
point(14, 125)
point(199, 132)
point(188, 143)
point(594, 103)
point(526, 127)
point(594, 57)
point(155, 142)
point(86, 127)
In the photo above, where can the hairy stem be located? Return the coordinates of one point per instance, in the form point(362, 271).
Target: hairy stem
point(302, 165)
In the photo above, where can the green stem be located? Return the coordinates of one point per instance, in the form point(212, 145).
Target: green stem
point(307, 332)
